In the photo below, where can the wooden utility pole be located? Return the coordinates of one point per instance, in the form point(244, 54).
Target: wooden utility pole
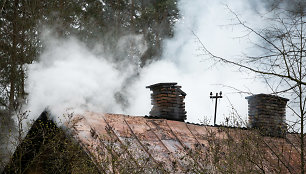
point(216, 97)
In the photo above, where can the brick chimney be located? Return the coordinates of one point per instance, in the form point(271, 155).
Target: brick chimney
point(268, 114)
point(167, 101)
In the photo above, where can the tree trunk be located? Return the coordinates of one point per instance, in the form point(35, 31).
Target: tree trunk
point(13, 59)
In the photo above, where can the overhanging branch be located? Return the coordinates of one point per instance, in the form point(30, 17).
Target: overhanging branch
point(218, 58)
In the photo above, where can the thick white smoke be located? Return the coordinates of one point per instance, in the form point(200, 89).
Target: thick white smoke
point(70, 77)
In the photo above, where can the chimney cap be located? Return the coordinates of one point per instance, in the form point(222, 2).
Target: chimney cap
point(266, 95)
point(157, 85)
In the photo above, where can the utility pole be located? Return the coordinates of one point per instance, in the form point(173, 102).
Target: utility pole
point(216, 97)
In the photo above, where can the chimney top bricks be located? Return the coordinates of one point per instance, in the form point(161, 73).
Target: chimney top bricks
point(268, 114)
point(167, 101)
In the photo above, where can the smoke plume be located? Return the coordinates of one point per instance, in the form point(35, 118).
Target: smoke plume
point(69, 77)
point(183, 62)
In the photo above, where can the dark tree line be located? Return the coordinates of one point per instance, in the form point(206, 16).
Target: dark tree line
point(91, 21)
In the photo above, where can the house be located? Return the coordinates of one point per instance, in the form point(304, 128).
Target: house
point(114, 143)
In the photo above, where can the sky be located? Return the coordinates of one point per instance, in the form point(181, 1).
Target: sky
point(69, 77)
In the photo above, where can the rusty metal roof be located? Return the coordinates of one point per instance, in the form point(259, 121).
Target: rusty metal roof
point(179, 147)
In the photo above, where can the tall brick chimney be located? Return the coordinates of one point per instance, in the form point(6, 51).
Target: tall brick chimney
point(167, 101)
point(268, 114)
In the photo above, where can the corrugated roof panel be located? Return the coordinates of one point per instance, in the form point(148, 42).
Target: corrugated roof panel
point(170, 145)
